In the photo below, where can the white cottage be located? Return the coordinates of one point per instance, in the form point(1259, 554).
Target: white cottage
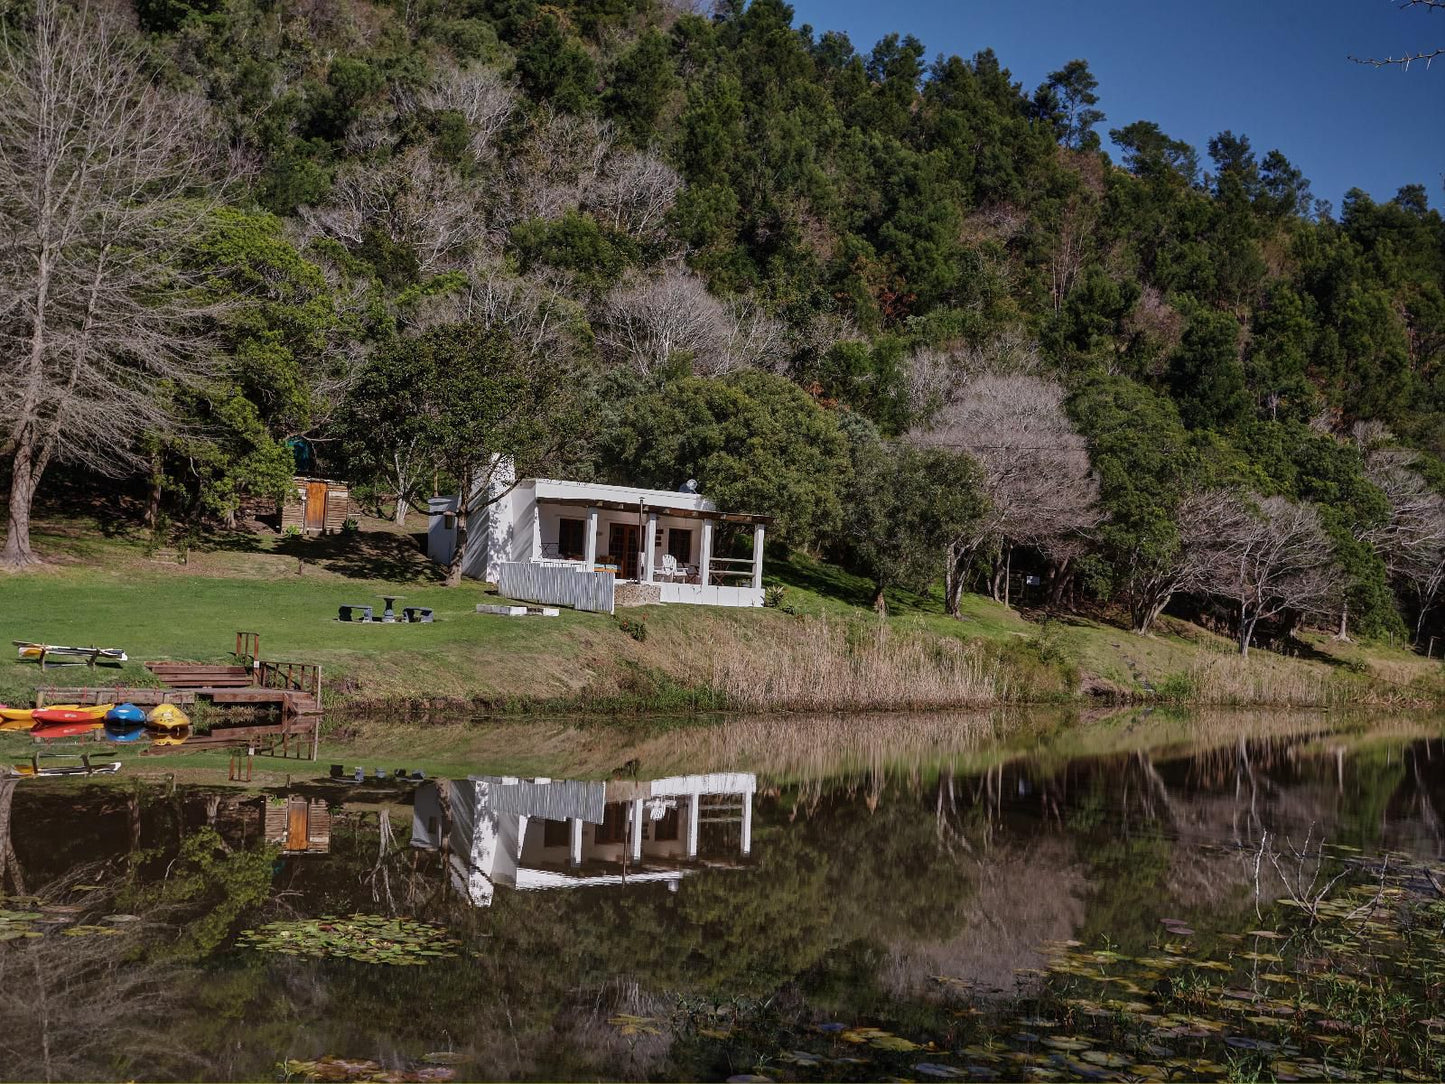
point(592, 546)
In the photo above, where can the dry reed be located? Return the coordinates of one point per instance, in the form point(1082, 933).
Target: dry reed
point(1232, 681)
point(823, 665)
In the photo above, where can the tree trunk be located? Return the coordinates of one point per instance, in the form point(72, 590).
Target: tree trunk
point(153, 498)
point(1144, 618)
point(1008, 560)
point(464, 501)
point(1060, 581)
point(1344, 634)
point(25, 469)
point(954, 576)
point(880, 604)
point(1246, 633)
point(459, 551)
point(398, 514)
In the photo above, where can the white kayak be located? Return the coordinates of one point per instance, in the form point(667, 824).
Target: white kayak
point(47, 653)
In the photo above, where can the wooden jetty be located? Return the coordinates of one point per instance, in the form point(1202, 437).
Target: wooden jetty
point(292, 688)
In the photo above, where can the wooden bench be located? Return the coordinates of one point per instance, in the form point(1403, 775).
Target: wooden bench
point(195, 675)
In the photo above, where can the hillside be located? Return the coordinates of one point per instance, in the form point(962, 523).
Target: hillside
point(953, 333)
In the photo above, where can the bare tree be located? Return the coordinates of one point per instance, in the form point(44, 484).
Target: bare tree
point(556, 166)
point(1266, 557)
point(1034, 470)
point(483, 96)
point(1153, 582)
point(413, 201)
point(633, 193)
point(648, 321)
point(755, 340)
point(1412, 542)
point(99, 174)
point(532, 308)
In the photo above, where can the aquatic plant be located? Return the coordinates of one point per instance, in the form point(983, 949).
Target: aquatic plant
point(372, 939)
point(337, 1070)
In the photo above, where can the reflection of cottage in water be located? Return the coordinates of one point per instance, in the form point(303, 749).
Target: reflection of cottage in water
point(545, 833)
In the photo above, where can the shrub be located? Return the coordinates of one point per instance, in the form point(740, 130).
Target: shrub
point(292, 531)
point(350, 525)
point(636, 627)
point(1176, 687)
point(774, 595)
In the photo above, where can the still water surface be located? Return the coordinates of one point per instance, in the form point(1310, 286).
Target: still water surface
point(779, 901)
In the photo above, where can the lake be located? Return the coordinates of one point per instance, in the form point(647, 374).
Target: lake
point(1145, 896)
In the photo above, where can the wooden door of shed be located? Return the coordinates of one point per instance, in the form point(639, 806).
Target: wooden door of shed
point(316, 506)
point(298, 825)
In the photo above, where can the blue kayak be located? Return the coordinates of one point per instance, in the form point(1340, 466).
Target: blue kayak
point(125, 713)
point(125, 732)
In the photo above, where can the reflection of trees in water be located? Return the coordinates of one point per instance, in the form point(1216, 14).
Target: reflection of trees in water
point(93, 1007)
point(11, 877)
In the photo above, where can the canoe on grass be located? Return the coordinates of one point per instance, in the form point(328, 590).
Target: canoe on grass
point(60, 653)
point(71, 713)
point(167, 717)
point(125, 713)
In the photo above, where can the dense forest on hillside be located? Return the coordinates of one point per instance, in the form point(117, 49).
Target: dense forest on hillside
point(912, 308)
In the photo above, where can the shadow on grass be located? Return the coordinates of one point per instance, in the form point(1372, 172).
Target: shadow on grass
point(367, 555)
point(832, 582)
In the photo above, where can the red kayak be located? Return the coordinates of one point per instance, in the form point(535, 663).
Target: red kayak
point(63, 715)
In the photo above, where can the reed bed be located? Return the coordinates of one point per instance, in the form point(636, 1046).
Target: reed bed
point(1232, 681)
point(824, 665)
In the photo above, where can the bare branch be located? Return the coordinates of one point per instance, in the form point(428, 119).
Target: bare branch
point(103, 180)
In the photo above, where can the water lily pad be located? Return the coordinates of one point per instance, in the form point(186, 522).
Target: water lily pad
point(373, 939)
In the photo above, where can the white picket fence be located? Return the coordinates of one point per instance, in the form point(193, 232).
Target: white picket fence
point(556, 584)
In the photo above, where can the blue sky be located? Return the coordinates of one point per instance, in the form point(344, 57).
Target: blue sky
point(1273, 70)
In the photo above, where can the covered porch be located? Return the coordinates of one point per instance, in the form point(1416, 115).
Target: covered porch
point(669, 547)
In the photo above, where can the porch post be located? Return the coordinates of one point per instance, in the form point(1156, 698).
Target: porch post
point(636, 840)
point(694, 805)
point(757, 556)
point(651, 547)
point(704, 563)
point(537, 531)
point(747, 833)
point(589, 547)
point(575, 850)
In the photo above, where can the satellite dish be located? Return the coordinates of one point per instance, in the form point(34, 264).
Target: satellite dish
point(690, 486)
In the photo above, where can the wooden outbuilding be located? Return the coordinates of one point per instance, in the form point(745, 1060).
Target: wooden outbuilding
point(317, 505)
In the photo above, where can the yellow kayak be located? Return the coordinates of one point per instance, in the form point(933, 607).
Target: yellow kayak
point(168, 716)
point(15, 715)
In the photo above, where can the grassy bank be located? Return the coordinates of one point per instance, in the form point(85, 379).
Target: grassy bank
point(824, 650)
